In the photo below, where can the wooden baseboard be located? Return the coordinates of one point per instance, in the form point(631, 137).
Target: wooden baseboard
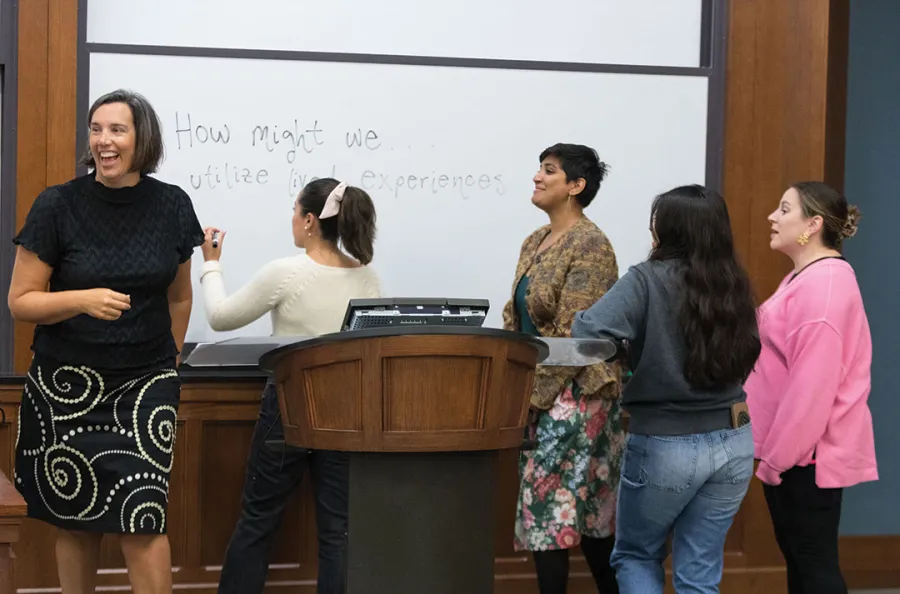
point(871, 561)
point(868, 562)
point(733, 582)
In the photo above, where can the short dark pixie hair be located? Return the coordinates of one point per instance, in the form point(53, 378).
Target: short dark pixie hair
point(149, 150)
point(579, 161)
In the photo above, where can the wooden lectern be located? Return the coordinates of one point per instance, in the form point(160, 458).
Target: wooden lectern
point(423, 412)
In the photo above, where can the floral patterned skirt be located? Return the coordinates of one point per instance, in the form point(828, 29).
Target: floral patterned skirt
point(568, 483)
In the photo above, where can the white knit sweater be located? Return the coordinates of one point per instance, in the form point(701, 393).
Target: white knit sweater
point(306, 298)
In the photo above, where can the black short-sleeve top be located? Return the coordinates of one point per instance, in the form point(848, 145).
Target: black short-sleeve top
point(130, 240)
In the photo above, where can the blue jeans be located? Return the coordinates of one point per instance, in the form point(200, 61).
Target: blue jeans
point(689, 486)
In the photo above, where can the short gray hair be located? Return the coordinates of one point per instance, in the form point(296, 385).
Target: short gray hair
point(149, 150)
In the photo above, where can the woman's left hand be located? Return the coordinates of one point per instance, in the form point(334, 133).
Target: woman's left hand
point(211, 252)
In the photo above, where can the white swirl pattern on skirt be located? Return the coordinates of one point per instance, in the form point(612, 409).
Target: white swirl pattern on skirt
point(166, 428)
point(66, 479)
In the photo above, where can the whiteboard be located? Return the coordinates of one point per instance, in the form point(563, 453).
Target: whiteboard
point(635, 32)
point(447, 154)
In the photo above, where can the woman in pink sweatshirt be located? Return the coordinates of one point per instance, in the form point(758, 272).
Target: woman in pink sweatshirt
point(812, 428)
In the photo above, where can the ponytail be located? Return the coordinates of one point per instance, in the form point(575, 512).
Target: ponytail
point(353, 226)
point(356, 224)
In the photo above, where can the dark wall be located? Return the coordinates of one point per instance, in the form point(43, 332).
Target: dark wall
point(873, 183)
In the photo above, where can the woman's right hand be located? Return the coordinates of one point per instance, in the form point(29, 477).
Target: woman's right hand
point(211, 252)
point(104, 304)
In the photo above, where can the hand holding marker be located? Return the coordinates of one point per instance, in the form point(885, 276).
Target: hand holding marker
point(213, 239)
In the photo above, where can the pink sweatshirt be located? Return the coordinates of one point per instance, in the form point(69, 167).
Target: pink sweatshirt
point(808, 393)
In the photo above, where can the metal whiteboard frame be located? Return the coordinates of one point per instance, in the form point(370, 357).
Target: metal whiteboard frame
point(9, 74)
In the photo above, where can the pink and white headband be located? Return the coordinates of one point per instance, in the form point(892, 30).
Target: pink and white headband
point(333, 202)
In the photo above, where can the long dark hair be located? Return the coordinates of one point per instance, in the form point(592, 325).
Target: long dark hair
point(716, 311)
point(353, 227)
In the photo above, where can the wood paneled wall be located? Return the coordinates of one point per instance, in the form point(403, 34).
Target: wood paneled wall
point(786, 78)
point(212, 442)
point(784, 114)
point(48, 39)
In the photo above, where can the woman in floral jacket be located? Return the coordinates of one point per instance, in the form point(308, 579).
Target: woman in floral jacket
point(567, 492)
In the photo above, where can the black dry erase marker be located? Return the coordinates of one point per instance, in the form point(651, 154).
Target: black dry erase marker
point(216, 239)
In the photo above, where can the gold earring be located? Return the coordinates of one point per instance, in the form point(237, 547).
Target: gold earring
point(804, 238)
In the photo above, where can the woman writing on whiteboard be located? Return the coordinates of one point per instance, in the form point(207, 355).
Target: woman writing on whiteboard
point(567, 492)
point(307, 295)
point(103, 271)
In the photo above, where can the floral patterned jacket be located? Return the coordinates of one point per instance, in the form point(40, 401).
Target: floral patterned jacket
point(567, 277)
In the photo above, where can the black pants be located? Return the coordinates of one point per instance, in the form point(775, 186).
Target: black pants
point(552, 567)
point(273, 471)
point(806, 520)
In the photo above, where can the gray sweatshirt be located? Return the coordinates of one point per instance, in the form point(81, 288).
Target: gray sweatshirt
point(642, 308)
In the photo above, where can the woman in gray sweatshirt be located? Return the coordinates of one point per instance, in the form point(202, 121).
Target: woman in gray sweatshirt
point(688, 317)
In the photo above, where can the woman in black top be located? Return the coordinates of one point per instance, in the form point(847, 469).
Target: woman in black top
point(103, 270)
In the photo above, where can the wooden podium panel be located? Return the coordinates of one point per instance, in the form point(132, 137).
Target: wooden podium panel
point(407, 392)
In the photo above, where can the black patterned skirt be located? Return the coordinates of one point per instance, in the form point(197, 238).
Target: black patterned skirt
point(94, 448)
